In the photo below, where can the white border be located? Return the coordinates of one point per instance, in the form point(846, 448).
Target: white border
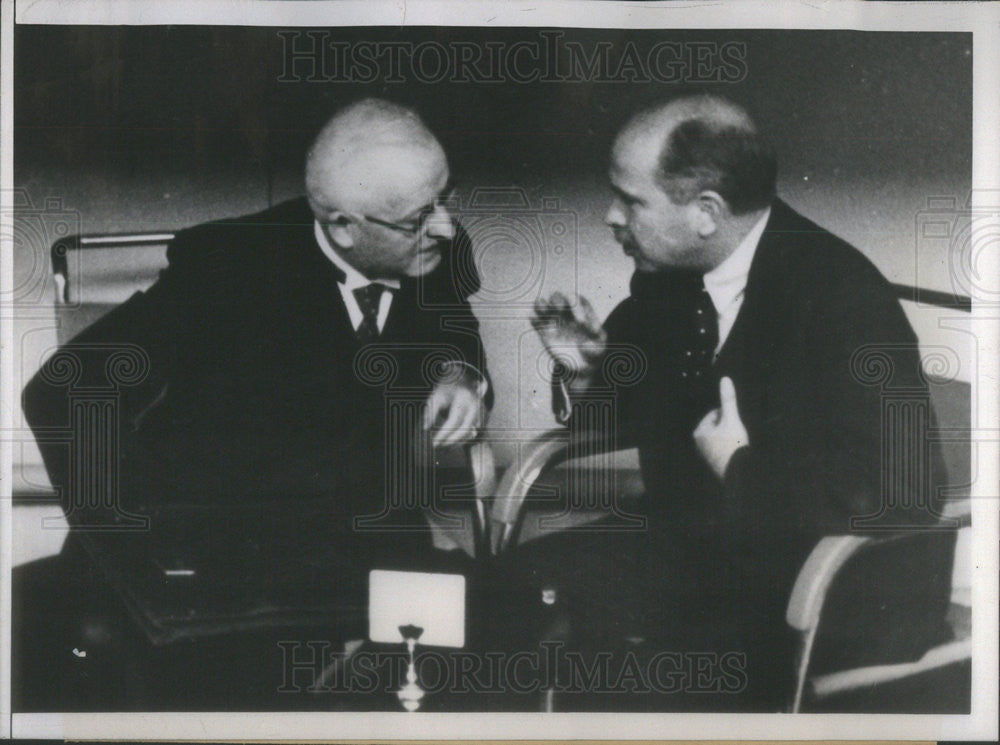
point(403, 726)
point(985, 516)
point(709, 14)
point(982, 19)
point(6, 347)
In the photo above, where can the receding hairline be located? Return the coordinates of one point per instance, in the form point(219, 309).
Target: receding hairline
point(661, 119)
point(697, 143)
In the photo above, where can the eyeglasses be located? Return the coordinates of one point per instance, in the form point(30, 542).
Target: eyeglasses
point(443, 200)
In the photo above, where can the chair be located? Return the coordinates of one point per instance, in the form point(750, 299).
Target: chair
point(825, 572)
point(832, 562)
point(838, 561)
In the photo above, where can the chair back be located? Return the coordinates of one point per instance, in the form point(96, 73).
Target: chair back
point(94, 273)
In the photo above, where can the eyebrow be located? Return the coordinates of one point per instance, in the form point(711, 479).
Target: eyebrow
point(429, 207)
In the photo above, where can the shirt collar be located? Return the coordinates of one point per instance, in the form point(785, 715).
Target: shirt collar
point(353, 279)
point(725, 283)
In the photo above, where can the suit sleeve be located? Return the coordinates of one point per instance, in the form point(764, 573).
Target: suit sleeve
point(841, 458)
point(126, 352)
point(608, 383)
point(448, 289)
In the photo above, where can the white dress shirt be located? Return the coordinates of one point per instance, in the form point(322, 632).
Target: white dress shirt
point(354, 280)
point(727, 282)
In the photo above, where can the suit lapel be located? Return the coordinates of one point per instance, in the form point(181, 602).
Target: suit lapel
point(767, 285)
point(312, 280)
point(396, 320)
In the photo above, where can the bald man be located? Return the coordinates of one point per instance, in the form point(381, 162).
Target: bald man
point(308, 367)
point(758, 429)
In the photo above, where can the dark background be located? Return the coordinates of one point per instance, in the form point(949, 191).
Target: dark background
point(112, 104)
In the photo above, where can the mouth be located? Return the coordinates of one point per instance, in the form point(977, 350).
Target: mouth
point(624, 238)
point(425, 260)
point(434, 247)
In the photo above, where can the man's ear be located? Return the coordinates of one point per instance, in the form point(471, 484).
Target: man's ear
point(711, 209)
point(336, 226)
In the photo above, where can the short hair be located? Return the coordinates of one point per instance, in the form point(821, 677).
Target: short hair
point(714, 145)
point(350, 133)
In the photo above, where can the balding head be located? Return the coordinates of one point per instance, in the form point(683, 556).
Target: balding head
point(691, 178)
point(370, 157)
point(375, 176)
point(705, 143)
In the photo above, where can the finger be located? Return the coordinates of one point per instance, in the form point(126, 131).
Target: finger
point(462, 428)
point(559, 305)
point(707, 422)
point(589, 317)
point(579, 315)
point(540, 311)
point(435, 403)
point(496, 536)
point(558, 300)
point(595, 346)
point(544, 325)
point(460, 435)
point(727, 398)
point(473, 419)
point(465, 431)
point(551, 313)
point(450, 424)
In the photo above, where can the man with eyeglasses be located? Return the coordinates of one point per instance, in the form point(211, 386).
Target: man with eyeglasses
point(308, 372)
point(261, 332)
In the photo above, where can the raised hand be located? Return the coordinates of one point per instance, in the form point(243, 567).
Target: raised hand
point(721, 432)
point(572, 335)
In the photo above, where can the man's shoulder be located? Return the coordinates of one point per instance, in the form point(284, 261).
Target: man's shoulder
point(206, 258)
point(805, 268)
point(293, 215)
point(803, 252)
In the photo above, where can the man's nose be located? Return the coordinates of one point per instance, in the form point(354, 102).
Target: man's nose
point(615, 216)
point(440, 223)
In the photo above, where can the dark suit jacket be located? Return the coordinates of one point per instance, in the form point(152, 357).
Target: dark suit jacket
point(826, 371)
point(250, 385)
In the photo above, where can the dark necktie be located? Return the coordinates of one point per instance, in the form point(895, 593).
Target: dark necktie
point(368, 298)
point(706, 330)
point(699, 352)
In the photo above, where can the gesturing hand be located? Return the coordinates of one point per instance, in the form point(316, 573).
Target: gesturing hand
point(573, 336)
point(721, 433)
point(454, 412)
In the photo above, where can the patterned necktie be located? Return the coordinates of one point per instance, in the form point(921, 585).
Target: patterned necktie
point(368, 298)
point(699, 353)
point(706, 324)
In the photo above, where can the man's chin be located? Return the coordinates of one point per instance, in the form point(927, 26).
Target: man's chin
point(632, 251)
point(641, 265)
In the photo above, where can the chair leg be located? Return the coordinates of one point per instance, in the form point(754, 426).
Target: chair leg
point(802, 667)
